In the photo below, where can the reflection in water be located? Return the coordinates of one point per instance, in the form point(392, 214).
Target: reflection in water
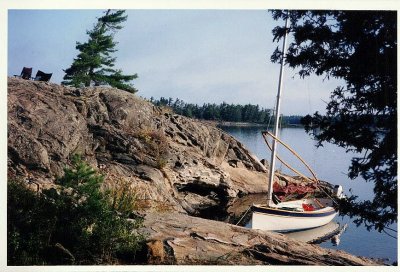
point(336, 239)
point(314, 234)
point(332, 231)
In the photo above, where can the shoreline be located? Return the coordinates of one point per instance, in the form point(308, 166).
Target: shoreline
point(244, 124)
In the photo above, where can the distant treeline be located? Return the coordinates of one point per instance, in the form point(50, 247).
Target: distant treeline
point(224, 112)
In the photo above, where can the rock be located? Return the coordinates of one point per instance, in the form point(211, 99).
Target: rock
point(156, 253)
point(28, 150)
point(170, 158)
point(195, 240)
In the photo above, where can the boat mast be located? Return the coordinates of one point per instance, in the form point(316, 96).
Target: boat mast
point(277, 116)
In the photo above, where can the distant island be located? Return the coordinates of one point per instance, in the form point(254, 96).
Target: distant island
point(227, 114)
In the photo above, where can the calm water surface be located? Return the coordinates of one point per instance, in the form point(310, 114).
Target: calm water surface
point(330, 163)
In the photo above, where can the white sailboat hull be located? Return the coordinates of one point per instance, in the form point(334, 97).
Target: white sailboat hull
point(279, 218)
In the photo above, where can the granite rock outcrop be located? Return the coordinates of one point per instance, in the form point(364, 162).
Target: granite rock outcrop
point(179, 167)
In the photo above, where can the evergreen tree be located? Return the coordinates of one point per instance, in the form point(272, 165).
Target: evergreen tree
point(94, 65)
point(222, 112)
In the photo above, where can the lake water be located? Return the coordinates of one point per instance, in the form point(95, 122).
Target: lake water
point(330, 163)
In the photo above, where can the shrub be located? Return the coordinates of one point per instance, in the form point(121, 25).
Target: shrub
point(80, 221)
point(157, 144)
point(122, 196)
point(30, 220)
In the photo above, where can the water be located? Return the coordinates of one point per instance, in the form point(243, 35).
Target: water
point(330, 163)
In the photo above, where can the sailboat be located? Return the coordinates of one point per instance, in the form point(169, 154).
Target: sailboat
point(292, 215)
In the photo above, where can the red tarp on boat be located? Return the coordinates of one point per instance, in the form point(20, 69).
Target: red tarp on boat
point(293, 190)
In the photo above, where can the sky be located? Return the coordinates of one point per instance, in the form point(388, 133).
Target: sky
point(198, 56)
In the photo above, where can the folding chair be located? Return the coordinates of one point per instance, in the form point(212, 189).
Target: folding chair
point(26, 73)
point(41, 76)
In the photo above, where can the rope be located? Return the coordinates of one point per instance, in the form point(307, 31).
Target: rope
point(328, 195)
point(243, 216)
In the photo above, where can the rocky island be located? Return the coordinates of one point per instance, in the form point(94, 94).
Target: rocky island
point(184, 172)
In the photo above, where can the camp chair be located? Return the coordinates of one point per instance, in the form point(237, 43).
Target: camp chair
point(41, 76)
point(26, 73)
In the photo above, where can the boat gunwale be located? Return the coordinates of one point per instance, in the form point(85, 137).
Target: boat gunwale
point(281, 212)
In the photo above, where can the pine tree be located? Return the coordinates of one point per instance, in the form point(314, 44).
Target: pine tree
point(94, 65)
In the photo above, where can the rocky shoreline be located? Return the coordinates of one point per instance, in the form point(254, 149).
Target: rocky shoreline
point(185, 240)
point(181, 170)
